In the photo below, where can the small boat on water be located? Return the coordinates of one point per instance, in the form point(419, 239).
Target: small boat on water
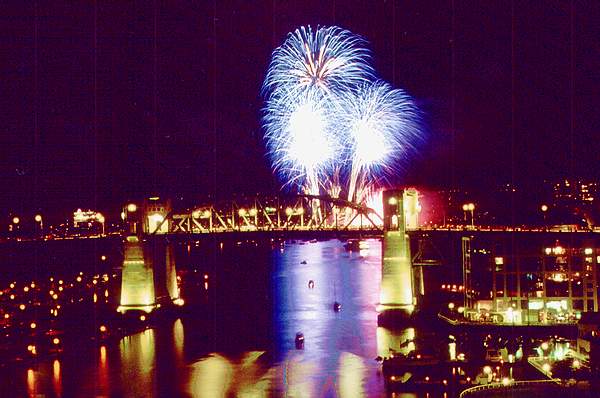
point(352, 245)
point(299, 341)
point(356, 245)
point(337, 307)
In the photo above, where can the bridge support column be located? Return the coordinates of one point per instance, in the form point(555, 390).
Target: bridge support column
point(400, 210)
point(149, 277)
point(137, 279)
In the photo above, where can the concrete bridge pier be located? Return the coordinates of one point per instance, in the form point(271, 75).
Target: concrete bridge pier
point(149, 277)
point(400, 213)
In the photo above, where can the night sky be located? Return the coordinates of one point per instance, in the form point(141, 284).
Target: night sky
point(102, 103)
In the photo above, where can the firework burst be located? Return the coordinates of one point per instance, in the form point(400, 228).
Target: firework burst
point(330, 125)
point(301, 140)
point(380, 125)
point(328, 59)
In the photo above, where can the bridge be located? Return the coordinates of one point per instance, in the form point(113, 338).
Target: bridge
point(264, 213)
point(148, 273)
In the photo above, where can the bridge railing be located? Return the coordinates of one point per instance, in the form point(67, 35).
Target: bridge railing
point(511, 385)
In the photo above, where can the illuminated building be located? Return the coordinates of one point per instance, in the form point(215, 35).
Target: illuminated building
point(525, 278)
point(572, 191)
point(88, 221)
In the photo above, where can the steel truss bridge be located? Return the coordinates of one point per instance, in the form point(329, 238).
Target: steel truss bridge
point(275, 213)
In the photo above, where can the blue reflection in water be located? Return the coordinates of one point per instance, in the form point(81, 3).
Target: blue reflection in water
point(340, 347)
point(331, 338)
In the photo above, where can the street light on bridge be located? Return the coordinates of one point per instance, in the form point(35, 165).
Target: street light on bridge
point(469, 207)
point(14, 225)
point(101, 220)
point(38, 219)
point(544, 209)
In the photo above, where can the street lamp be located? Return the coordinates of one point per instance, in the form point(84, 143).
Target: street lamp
point(469, 207)
point(101, 220)
point(14, 226)
point(39, 220)
point(544, 209)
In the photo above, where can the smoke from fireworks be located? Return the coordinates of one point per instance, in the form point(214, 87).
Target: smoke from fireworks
point(330, 125)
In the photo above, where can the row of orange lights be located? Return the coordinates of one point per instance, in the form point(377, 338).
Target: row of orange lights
point(454, 288)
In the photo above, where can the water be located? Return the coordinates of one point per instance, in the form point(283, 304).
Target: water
point(236, 335)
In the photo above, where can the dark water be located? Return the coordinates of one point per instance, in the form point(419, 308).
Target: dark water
point(235, 336)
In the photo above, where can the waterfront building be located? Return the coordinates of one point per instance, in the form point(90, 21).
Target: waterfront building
point(529, 278)
point(88, 222)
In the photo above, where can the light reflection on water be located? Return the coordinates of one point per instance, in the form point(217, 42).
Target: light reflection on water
point(401, 341)
point(338, 359)
point(137, 354)
point(103, 377)
point(56, 379)
point(339, 351)
point(31, 379)
point(210, 377)
point(178, 339)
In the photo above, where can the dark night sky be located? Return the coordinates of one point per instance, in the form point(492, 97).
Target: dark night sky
point(110, 128)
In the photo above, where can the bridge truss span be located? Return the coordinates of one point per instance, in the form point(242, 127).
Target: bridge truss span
point(276, 213)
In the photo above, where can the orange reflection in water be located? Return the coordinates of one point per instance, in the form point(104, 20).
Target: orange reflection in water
point(56, 378)
point(31, 383)
point(138, 364)
point(210, 377)
point(178, 338)
point(103, 383)
point(217, 376)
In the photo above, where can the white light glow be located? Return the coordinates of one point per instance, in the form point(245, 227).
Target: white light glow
point(309, 145)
